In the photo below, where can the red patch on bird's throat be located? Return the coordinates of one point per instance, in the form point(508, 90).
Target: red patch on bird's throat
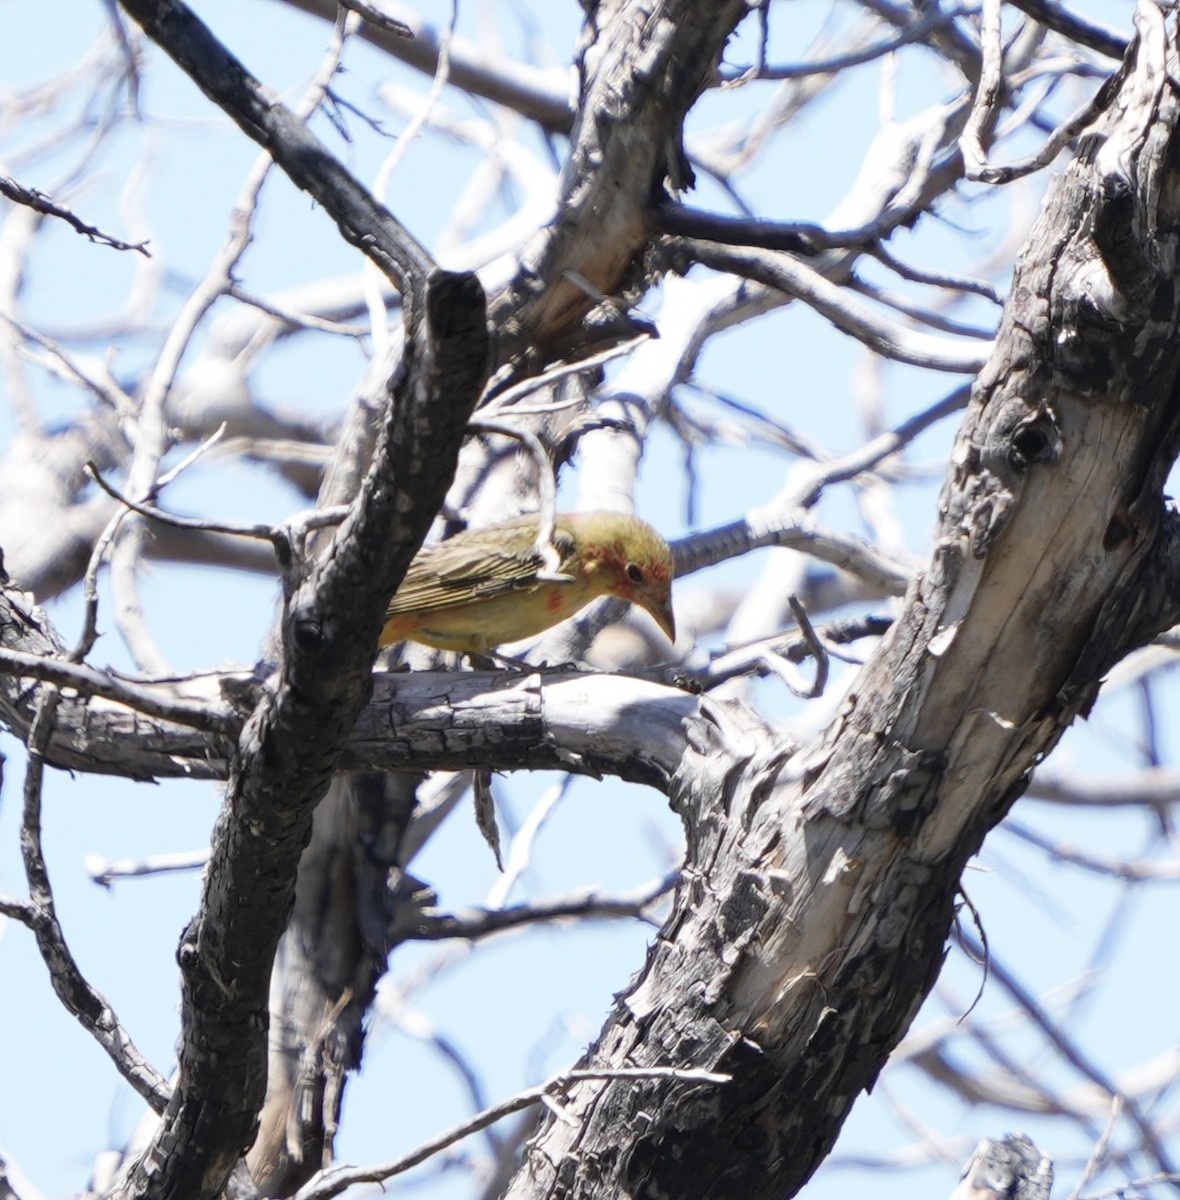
point(554, 599)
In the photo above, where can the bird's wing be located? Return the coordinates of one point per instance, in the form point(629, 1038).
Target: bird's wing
point(477, 564)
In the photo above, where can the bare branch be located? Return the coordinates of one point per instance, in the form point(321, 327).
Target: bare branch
point(539, 95)
point(334, 1180)
point(1134, 1185)
point(751, 660)
point(816, 650)
point(1069, 1050)
point(935, 278)
point(42, 204)
point(473, 924)
point(1152, 787)
point(794, 278)
point(89, 681)
point(917, 31)
point(362, 221)
point(1128, 869)
point(1053, 145)
point(849, 553)
point(292, 741)
point(260, 532)
point(1077, 28)
point(92, 1010)
point(988, 93)
point(1098, 1153)
point(104, 871)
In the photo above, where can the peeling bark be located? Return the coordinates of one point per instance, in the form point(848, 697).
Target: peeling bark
point(820, 882)
point(819, 888)
point(644, 65)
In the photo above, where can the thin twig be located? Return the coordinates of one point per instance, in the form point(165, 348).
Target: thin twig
point(795, 278)
point(373, 275)
point(985, 958)
point(783, 668)
point(1131, 1189)
point(91, 1008)
point(297, 320)
point(1129, 870)
point(864, 458)
point(162, 481)
point(475, 923)
point(917, 312)
point(1072, 1053)
point(546, 491)
point(89, 634)
point(507, 398)
point(280, 536)
point(748, 658)
point(288, 540)
point(1098, 1153)
point(988, 93)
point(1057, 140)
point(104, 871)
point(939, 279)
point(261, 532)
point(524, 839)
point(89, 681)
point(333, 1180)
point(41, 203)
point(107, 390)
point(921, 28)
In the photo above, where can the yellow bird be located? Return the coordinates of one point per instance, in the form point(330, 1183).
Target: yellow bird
point(482, 588)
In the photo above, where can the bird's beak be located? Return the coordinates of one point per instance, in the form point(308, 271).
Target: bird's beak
point(664, 617)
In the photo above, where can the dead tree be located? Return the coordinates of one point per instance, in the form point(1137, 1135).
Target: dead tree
point(821, 879)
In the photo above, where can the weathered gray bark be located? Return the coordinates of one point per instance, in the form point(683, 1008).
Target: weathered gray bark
point(285, 756)
point(1013, 1169)
point(644, 65)
point(642, 71)
point(287, 749)
point(330, 959)
point(820, 886)
point(422, 721)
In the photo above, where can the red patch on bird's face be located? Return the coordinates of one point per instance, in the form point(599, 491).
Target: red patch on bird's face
point(613, 562)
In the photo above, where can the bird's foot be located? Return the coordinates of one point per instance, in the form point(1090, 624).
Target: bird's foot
point(489, 661)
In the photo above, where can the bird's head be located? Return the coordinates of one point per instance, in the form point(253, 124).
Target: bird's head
point(628, 559)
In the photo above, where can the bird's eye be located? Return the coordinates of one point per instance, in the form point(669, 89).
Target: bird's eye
point(635, 572)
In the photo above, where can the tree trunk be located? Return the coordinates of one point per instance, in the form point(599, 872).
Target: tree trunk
point(820, 884)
